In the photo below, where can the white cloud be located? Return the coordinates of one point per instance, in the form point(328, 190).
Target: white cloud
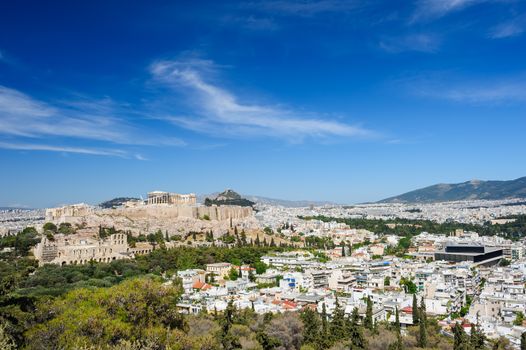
point(428, 43)
point(28, 117)
point(480, 91)
point(305, 7)
point(219, 112)
point(22, 116)
point(514, 27)
point(433, 9)
point(65, 149)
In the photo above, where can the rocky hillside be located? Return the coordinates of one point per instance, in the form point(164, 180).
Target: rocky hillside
point(228, 197)
point(116, 202)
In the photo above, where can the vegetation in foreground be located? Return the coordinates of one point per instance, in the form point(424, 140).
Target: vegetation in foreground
point(140, 313)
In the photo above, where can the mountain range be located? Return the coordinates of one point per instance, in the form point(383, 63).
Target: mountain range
point(469, 190)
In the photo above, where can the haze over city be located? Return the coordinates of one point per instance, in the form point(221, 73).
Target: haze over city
point(343, 101)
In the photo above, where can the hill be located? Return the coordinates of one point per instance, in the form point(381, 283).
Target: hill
point(272, 201)
point(469, 190)
point(228, 197)
point(116, 202)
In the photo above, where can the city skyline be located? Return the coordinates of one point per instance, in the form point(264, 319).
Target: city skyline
point(343, 101)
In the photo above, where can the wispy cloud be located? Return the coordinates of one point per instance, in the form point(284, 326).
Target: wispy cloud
point(65, 149)
point(253, 23)
point(22, 116)
point(305, 7)
point(434, 9)
point(219, 112)
point(511, 28)
point(428, 43)
point(479, 91)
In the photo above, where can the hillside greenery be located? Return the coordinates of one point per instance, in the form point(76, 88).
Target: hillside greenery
point(406, 227)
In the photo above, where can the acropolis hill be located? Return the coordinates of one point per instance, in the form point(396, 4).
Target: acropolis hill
point(171, 213)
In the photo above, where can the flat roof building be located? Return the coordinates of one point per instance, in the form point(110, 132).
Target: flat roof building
point(477, 254)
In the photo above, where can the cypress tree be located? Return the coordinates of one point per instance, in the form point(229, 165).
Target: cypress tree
point(324, 340)
point(415, 310)
point(459, 342)
point(243, 238)
point(422, 331)
point(398, 345)
point(337, 326)
point(477, 337)
point(311, 326)
point(368, 321)
point(324, 324)
point(357, 338)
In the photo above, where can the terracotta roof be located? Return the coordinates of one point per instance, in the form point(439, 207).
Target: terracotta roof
point(201, 285)
point(289, 304)
point(198, 285)
point(407, 310)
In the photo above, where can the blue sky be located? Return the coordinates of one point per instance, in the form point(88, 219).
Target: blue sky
point(347, 101)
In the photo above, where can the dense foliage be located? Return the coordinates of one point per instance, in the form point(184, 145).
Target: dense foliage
point(407, 227)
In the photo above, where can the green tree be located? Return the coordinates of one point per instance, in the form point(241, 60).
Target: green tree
point(519, 318)
point(408, 285)
point(356, 333)
point(459, 337)
point(337, 325)
point(49, 226)
point(477, 337)
point(399, 344)
point(228, 340)
point(368, 321)
point(233, 274)
point(422, 330)
point(311, 326)
point(104, 316)
point(416, 317)
point(325, 335)
point(502, 344)
point(387, 281)
point(268, 230)
point(6, 342)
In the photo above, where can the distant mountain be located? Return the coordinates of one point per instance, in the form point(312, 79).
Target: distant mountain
point(287, 203)
point(470, 190)
point(117, 202)
point(228, 197)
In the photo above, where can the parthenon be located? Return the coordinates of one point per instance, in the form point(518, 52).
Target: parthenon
point(161, 197)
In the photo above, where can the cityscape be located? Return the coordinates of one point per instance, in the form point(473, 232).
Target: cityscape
point(263, 175)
